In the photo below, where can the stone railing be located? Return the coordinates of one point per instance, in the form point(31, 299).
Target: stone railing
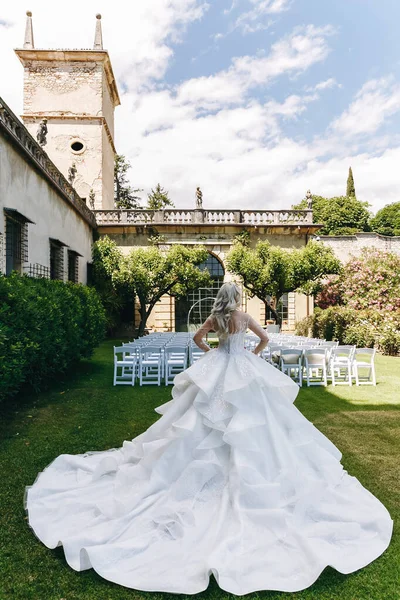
point(17, 132)
point(203, 217)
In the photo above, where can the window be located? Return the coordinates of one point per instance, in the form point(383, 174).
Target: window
point(77, 146)
point(56, 259)
point(16, 240)
point(89, 273)
point(73, 266)
point(282, 309)
point(199, 301)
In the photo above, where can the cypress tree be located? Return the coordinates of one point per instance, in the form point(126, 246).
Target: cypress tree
point(351, 190)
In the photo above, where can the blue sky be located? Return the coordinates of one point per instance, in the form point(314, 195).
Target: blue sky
point(254, 100)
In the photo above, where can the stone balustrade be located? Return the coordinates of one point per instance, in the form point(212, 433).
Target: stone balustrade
point(203, 217)
point(16, 131)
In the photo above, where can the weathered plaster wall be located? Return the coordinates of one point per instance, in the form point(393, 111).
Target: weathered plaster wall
point(63, 87)
point(76, 100)
point(107, 200)
point(62, 132)
point(346, 246)
point(24, 189)
point(107, 106)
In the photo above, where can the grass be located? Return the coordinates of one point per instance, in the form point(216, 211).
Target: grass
point(82, 411)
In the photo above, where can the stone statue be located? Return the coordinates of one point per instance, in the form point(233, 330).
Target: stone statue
point(199, 198)
point(309, 199)
point(42, 133)
point(92, 198)
point(72, 173)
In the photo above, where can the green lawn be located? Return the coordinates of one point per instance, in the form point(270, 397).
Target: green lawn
point(82, 411)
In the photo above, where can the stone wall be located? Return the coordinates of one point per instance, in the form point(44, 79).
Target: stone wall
point(346, 246)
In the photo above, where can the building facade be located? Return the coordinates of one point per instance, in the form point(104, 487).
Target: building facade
point(46, 230)
point(216, 230)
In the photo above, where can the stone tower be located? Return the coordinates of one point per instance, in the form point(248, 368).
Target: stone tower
point(75, 90)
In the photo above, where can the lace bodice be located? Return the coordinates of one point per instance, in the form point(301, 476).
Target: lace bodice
point(233, 343)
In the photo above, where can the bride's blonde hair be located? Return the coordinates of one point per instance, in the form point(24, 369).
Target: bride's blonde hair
point(227, 300)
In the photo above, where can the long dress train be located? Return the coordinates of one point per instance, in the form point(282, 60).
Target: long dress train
point(232, 480)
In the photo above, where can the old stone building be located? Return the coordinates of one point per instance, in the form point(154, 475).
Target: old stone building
point(75, 93)
point(216, 230)
point(57, 187)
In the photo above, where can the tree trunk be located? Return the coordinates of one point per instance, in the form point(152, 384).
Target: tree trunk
point(143, 319)
point(272, 307)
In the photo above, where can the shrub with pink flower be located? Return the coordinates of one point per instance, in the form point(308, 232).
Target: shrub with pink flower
point(372, 280)
point(362, 305)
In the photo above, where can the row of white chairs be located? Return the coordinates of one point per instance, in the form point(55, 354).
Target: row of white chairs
point(154, 358)
point(160, 356)
point(340, 364)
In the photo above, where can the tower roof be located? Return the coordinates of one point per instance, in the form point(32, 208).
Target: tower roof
point(29, 53)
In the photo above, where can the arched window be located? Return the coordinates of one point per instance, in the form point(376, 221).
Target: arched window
point(200, 301)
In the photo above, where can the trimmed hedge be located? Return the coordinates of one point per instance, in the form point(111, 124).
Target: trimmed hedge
point(45, 326)
point(364, 328)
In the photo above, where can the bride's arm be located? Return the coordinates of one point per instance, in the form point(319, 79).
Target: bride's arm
point(201, 332)
point(261, 333)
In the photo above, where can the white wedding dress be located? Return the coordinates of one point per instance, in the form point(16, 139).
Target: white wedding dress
point(232, 481)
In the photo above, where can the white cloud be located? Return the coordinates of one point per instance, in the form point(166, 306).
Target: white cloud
point(253, 19)
point(294, 53)
point(377, 100)
point(327, 84)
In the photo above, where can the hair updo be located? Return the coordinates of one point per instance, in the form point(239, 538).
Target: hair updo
point(227, 300)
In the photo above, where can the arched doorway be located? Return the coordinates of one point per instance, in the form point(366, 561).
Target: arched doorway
point(201, 297)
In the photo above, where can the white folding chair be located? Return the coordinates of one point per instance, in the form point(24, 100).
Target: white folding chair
point(150, 365)
point(364, 358)
point(126, 363)
point(291, 360)
point(175, 361)
point(195, 353)
point(274, 354)
point(315, 361)
point(340, 365)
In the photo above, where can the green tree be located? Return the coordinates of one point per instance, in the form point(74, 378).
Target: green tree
point(149, 273)
point(387, 220)
point(339, 215)
point(268, 271)
point(158, 199)
point(124, 195)
point(117, 301)
point(351, 190)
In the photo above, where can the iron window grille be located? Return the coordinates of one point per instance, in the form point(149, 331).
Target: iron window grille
point(16, 240)
point(56, 259)
point(73, 266)
point(36, 270)
point(2, 257)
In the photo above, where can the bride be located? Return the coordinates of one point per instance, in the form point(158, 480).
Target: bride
point(232, 481)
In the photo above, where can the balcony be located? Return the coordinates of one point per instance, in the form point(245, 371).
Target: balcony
point(204, 217)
